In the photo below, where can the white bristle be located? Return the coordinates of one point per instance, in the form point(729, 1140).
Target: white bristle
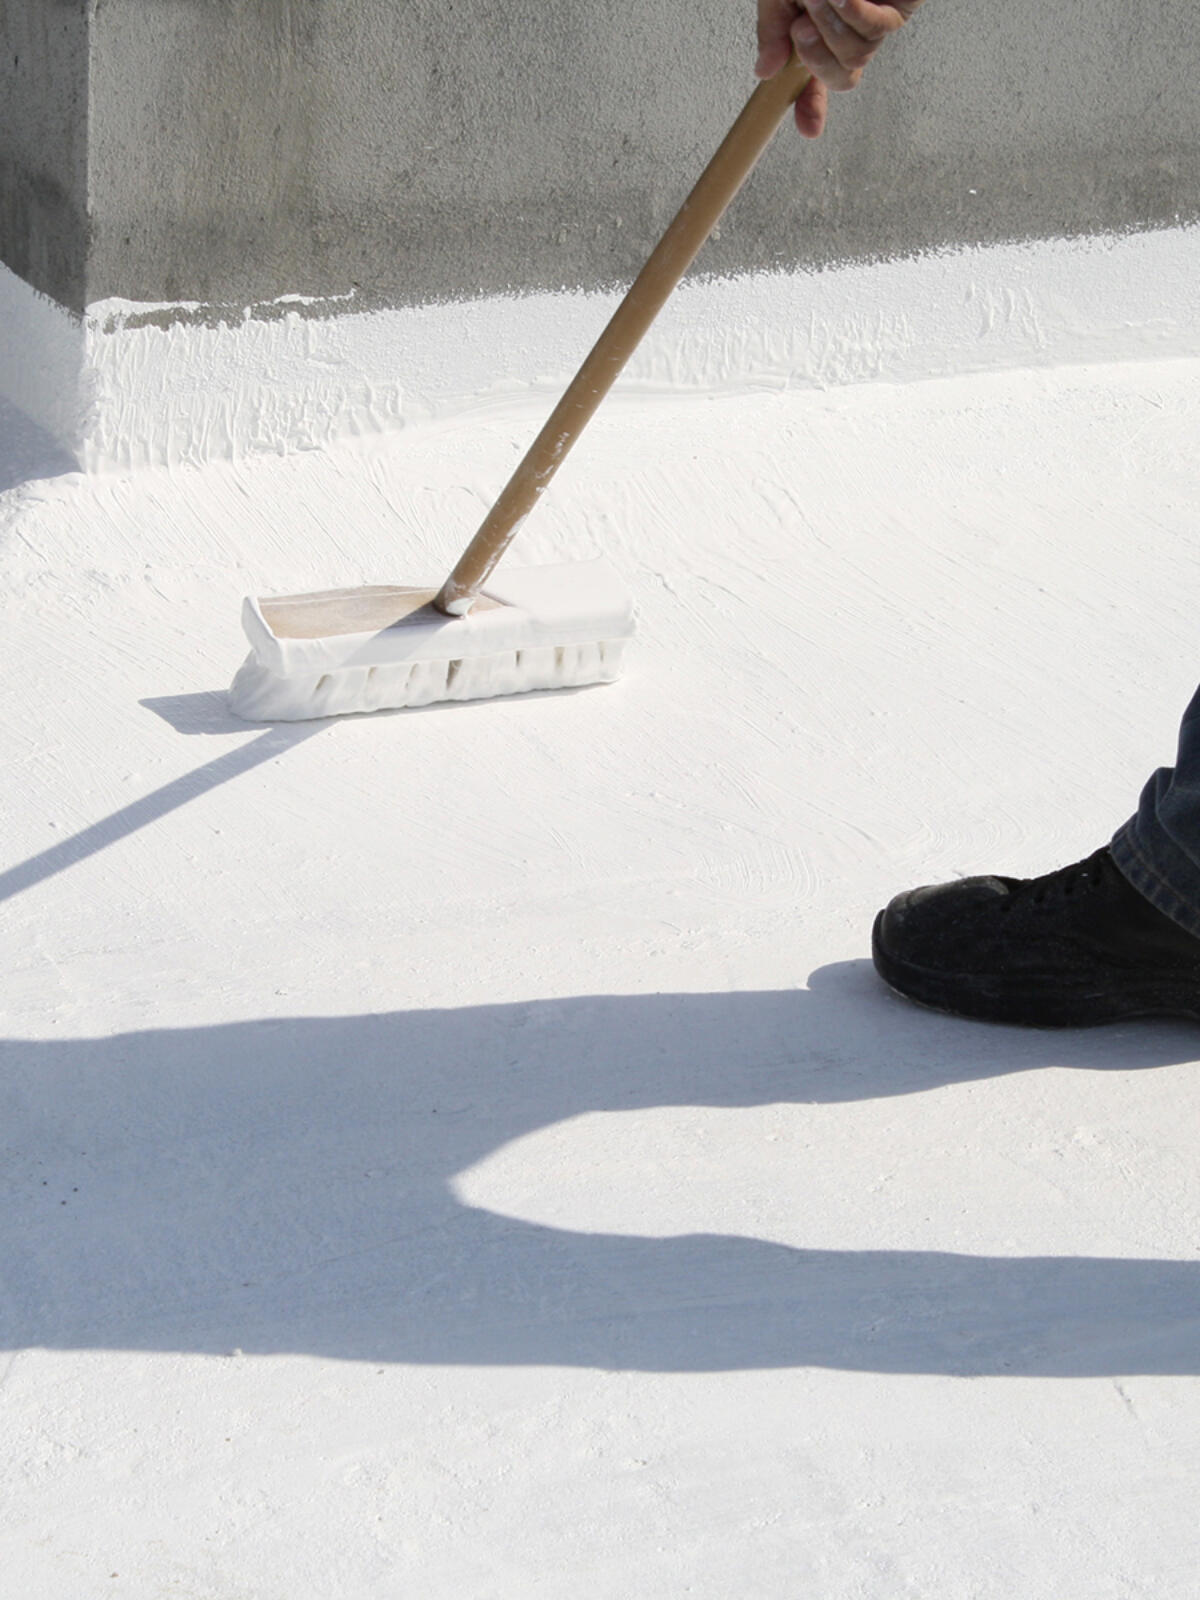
point(263, 696)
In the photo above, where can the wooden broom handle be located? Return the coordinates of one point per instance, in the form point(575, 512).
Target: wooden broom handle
point(672, 256)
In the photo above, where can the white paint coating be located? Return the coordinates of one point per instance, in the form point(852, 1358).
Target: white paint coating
point(466, 1155)
point(43, 362)
point(123, 394)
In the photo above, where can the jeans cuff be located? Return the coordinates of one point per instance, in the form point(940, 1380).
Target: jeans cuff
point(1168, 879)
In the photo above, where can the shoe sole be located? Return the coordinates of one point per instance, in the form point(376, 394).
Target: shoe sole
point(1033, 1000)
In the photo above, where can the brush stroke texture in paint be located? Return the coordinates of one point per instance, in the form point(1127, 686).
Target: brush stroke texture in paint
point(465, 1153)
point(133, 385)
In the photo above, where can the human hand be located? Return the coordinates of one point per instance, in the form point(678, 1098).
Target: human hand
point(833, 38)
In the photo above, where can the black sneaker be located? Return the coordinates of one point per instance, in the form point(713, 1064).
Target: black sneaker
point(1076, 947)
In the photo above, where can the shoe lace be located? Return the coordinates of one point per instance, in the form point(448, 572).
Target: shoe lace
point(1081, 877)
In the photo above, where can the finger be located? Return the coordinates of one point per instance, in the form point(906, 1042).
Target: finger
point(811, 109)
point(820, 60)
point(872, 21)
point(775, 19)
point(845, 44)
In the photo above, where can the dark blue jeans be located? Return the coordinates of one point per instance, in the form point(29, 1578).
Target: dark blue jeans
point(1158, 849)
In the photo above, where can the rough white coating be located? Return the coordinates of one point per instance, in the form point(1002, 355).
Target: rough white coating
point(127, 393)
point(466, 1155)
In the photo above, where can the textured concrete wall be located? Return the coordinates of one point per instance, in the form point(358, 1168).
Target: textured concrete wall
point(43, 145)
point(412, 150)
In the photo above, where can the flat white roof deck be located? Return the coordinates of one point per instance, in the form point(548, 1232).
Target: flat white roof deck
point(467, 1153)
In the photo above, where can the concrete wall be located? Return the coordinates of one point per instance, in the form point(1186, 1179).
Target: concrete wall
point(43, 145)
point(409, 150)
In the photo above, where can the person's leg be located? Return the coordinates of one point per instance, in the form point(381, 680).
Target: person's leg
point(1158, 849)
point(1112, 937)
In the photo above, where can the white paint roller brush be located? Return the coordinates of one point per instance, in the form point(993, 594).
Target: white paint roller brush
point(557, 627)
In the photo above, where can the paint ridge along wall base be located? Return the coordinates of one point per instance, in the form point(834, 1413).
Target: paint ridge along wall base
point(133, 385)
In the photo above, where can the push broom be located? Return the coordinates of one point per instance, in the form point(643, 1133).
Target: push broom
point(480, 635)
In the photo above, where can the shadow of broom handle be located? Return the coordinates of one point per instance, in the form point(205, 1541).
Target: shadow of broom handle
point(672, 256)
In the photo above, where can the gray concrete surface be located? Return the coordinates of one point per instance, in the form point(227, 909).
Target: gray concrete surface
point(43, 145)
point(244, 149)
